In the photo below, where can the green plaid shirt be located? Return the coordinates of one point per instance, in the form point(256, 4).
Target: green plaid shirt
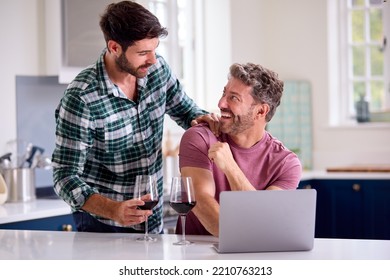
point(104, 139)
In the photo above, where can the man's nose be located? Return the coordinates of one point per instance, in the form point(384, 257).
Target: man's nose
point(151, 58)
point(222, 102)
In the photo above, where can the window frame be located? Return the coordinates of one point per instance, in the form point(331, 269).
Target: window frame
point(339, 25)
point(181, 55)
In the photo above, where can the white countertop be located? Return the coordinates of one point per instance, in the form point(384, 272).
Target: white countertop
point(52, 245)
point(39, 208)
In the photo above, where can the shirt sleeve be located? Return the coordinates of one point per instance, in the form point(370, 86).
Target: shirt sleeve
point(194, 147)
point(290, 173)
point(73, 139)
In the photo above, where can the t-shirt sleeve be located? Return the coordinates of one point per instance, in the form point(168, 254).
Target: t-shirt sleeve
point(194, 146)
point(290, 173)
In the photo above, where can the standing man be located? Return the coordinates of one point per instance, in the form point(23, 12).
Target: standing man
point(109, 124)
point(244, 157)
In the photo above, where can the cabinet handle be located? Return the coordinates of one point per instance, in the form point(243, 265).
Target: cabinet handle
point(67, 227)
point(356, 187)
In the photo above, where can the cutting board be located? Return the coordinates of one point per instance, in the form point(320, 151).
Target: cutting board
point(360, 168)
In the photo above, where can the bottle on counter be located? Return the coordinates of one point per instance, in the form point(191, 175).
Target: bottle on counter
point(362, 110)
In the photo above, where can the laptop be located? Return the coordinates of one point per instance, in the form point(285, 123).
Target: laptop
point(266, 221)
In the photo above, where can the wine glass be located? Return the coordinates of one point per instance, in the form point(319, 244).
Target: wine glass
point(182, 200)
point(146, 190)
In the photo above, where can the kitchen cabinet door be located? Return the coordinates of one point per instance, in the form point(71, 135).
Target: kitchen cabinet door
point(356, 209)
point(344, 209)
point(82, 40)
point(325, 210)
point(376, 214)
point(324, 227)
point(360, 208)
point(57, 223)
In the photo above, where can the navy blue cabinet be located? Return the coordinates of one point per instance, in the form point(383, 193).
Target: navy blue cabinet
point(57, 223)
point(351, 208)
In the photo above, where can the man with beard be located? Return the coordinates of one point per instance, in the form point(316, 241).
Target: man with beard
point(109, 125)
point(244, 157)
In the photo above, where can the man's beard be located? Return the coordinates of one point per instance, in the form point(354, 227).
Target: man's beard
point(125, 66)
point(240, 123)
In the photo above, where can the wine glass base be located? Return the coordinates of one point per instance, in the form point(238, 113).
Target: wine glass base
point(146, 239)
point(183, 242)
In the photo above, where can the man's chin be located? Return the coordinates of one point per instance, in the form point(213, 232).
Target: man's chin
point(225, 122)
point(141, 75)
point(224, 128)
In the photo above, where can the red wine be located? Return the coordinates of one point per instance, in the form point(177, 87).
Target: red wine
point(182, 207)
point(148, 205)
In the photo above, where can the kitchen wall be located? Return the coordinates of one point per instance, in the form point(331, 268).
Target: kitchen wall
point(19, 54)
point(289, 37)
point(29, 47)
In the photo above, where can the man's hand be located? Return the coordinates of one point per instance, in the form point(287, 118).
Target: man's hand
point(221, 155)
point(128, 213)
point(211, 119)
point(124, 212)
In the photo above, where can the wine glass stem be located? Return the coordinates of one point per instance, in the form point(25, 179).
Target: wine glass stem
point(183, 227)
point(146, 227)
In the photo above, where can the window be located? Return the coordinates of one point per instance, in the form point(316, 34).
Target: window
point(177, 47)
point(193, 46)
point(364, 55)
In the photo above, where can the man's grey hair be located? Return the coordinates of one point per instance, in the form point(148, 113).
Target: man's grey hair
point(266, 86)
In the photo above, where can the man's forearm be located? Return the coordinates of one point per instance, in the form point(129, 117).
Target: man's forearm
point(207, 211)
point(237, 180)
point(101, 206)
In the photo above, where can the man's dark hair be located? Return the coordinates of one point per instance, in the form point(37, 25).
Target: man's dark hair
point(127, 22)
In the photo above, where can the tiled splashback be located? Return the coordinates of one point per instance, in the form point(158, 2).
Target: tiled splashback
point(36, 100)
point(292, 122)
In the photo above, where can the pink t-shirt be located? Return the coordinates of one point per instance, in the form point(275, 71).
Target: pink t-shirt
point(267, 163)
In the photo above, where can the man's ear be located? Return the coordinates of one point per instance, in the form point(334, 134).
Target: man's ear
point(262, 110)
point(114, 48)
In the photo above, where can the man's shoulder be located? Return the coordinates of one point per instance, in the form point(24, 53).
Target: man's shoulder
point(85, 84)
point(199, 129)
point(277, 147)
point(84, 79)
point(199, 134)
point(275, 142)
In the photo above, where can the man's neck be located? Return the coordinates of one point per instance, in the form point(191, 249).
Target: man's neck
point(247, 140)
point(125, 81)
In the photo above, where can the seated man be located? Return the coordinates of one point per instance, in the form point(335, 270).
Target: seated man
point(244, 157)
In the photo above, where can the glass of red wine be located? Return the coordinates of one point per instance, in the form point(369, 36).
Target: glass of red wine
point(146, 190)
point(182, 200)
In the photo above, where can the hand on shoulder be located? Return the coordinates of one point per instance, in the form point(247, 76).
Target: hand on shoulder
point(211, 119)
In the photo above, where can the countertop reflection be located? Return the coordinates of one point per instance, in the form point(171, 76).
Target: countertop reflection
point(52, 245)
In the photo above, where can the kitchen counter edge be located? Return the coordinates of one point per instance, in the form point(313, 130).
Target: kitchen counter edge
point(11, 212)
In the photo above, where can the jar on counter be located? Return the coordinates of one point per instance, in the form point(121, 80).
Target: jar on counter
point(362, 110)
point(20, 183)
